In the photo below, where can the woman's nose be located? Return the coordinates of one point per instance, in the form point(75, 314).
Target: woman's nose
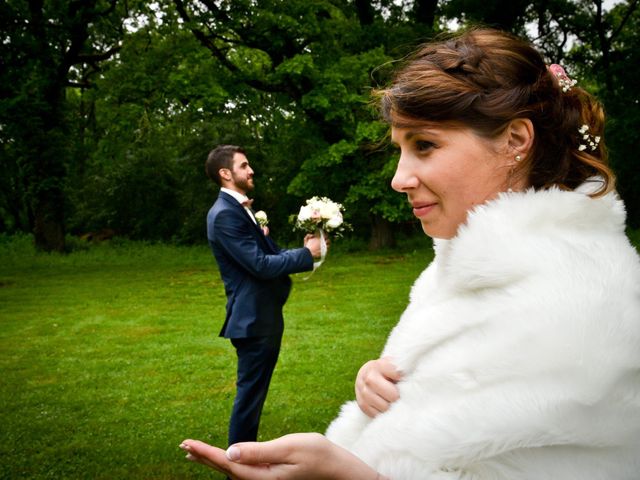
point(404, 178)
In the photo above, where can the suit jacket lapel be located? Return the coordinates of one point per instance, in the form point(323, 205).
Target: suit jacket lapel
point(256, 228)
point(235, 204)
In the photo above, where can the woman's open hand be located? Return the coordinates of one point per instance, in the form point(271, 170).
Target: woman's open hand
point(299, 456)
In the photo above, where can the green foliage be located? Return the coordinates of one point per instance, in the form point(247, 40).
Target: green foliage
point(610, 69)
point(97, 141)
point(45, 46)
point(323, 77)
point(622, 101)
point(498, 14)
point(143, 178)
point(138, 196)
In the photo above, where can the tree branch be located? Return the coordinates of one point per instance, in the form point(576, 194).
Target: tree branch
point(630, 11)
point(73, 84)
point(109, 10)
point(220, 15)
point(98, 57)
point(220, 54)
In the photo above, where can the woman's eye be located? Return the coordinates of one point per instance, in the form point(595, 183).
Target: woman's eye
point(423, 145)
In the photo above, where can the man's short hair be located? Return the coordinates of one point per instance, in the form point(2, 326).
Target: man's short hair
point(220, 157)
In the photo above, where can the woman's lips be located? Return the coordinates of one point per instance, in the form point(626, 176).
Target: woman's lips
point(421, 209)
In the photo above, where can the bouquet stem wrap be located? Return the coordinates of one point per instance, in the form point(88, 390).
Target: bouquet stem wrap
point(323, 249)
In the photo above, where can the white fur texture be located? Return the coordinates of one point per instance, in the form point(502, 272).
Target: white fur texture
point(520, 350)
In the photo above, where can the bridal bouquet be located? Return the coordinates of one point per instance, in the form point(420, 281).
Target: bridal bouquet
point(320, 213)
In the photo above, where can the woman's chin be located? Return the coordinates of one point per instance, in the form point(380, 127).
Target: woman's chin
point(438, 232)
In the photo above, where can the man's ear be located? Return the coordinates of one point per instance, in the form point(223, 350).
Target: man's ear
point(520, 134)
point(225, 174)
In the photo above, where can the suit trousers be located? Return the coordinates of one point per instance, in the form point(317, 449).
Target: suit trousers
point(257, 358)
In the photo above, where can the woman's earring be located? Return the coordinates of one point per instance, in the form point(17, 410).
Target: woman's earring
point(517, 158)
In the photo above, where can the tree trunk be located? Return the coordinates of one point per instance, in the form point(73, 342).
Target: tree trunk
point(49, 151)
point(382, 234)
point(48, 226)
point(424, 11)
point(47, 180)
point(366, 12)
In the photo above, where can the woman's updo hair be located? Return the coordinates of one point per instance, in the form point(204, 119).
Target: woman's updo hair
point(483, 79)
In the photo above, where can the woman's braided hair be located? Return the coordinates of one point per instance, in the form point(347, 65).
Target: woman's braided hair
point(485, 78)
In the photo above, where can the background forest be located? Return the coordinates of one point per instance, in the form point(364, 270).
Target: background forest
point(109, 107)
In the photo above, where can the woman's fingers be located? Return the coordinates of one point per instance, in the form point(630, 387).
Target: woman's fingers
point(205, 454)
point(293, 457)
point(279, 451)
point(376, 387)
point(389, 370)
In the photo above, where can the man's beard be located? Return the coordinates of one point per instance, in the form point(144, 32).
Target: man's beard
point(245, 184)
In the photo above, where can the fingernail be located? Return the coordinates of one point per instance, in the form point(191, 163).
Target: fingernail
point(233, 453)
point(184, 446)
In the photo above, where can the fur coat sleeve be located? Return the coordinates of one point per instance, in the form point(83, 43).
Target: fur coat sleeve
point(520, 350)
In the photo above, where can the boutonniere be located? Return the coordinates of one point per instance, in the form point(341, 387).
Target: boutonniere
point(261, 218)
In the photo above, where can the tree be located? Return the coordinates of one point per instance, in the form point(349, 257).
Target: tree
point(108, 108)
point(601, 50)
point(47, 47)
point(315, 60)
point(505, 15)
point(618, 70)
point(157, 108)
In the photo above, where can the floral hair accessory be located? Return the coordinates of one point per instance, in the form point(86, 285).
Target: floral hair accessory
point(591, 141)
point(563, 79)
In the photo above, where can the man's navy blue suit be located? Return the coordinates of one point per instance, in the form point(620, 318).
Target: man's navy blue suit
point(255, 273)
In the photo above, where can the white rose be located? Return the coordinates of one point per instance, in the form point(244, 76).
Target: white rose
point(335, 221)
point(329, 210)
point(305, 213)
point(314, 203)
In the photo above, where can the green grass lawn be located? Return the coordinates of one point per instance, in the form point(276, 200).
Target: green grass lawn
point(109, 356)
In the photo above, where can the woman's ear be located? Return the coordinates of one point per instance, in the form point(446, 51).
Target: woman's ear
point(520, 136)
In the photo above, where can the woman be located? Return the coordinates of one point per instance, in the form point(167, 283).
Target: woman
point(518, 356)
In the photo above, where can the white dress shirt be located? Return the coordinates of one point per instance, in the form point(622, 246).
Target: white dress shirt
point(241, 198)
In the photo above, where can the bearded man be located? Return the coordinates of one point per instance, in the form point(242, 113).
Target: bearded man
point(255, 273)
